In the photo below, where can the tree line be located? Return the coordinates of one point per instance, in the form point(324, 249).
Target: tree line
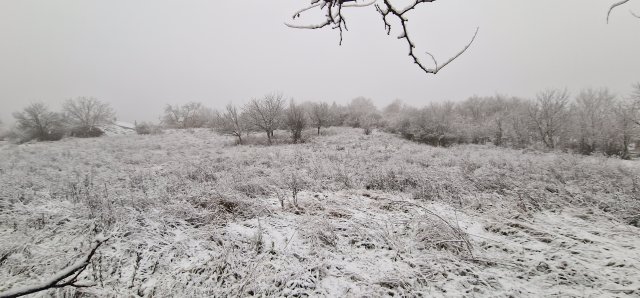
point(591, 121)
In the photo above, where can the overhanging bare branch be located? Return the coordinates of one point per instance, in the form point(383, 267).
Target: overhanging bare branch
point(335, 18)
point(614, 5)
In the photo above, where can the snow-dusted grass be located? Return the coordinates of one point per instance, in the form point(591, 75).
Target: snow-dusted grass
point(191, 214)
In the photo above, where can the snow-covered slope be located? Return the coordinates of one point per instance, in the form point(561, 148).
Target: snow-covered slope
point(191, 215)
point(118, 128)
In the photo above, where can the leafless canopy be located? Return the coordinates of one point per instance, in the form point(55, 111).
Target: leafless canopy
point(296, 121)
point(547, 114)
point(335, 19)
point(190, 115)
point(635, 96)
point(231, 122)
point(320, 115)
point(87, 112)
point(36, 121)
point(265, 114)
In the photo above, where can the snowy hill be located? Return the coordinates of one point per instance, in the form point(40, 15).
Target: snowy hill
point(118, 128)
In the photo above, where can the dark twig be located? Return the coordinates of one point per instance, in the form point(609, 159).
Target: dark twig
point(335, 19)
point(58, 280)
point(614, 5)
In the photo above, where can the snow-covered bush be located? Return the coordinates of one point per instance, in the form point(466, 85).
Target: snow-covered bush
point(146, 128)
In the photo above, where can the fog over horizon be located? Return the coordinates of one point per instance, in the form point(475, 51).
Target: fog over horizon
point(141, 55)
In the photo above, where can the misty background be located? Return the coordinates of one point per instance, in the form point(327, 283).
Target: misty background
point(140, 55)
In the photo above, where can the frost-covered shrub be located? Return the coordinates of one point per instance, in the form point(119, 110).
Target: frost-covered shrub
point(145, 128)
point(201, 174)
point(83, 115)
point(4, 132)
point(86, 132)
point(36, 122)
point(391, 180)
point(251, 189)
point(295, 182)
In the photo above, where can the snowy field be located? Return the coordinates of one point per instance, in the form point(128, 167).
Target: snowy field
point(189, 214)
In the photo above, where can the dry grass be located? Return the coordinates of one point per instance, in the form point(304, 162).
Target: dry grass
point(192, 214)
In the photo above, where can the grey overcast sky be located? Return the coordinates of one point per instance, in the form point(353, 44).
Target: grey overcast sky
point(139, 55)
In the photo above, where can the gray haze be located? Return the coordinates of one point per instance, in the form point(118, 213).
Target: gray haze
point(140, 55)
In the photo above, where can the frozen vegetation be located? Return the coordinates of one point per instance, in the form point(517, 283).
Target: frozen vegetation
point(189, 214)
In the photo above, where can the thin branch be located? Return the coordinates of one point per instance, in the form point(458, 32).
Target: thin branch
point(438, 68)
point(614, 6)
point(297, 13)
point(333, 14)
point(390, 10)
point(57, 281)
point(335, 19)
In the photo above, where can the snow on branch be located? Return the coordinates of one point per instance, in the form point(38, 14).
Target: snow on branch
point(60, 280)
point(335, 19)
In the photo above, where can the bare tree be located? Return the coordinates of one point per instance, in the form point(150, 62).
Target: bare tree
point(37, 122)
point(592, 113)
point(625, 123)
point(394, 108)
point(517, 123)
point(334, 18)
point(84, 114)
point(635, 96)
point(189, 115)
point(498, 108)
point(296, 121)
point(320, 115)
point(232, 122)
point(358, 109)
point(548, 114)
point(475, 112)
point(369, 121)
point(338, 114)
point(265, 114)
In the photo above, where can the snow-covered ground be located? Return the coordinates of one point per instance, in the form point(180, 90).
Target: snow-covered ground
point(118, 128)
point(191, 215)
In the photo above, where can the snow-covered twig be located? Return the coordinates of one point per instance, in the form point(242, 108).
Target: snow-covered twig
point(335, 18)
point(58, 280)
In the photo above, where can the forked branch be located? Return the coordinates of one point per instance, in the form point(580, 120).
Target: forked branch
point(333, 14)
point(335, 18)
point(61, 279)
